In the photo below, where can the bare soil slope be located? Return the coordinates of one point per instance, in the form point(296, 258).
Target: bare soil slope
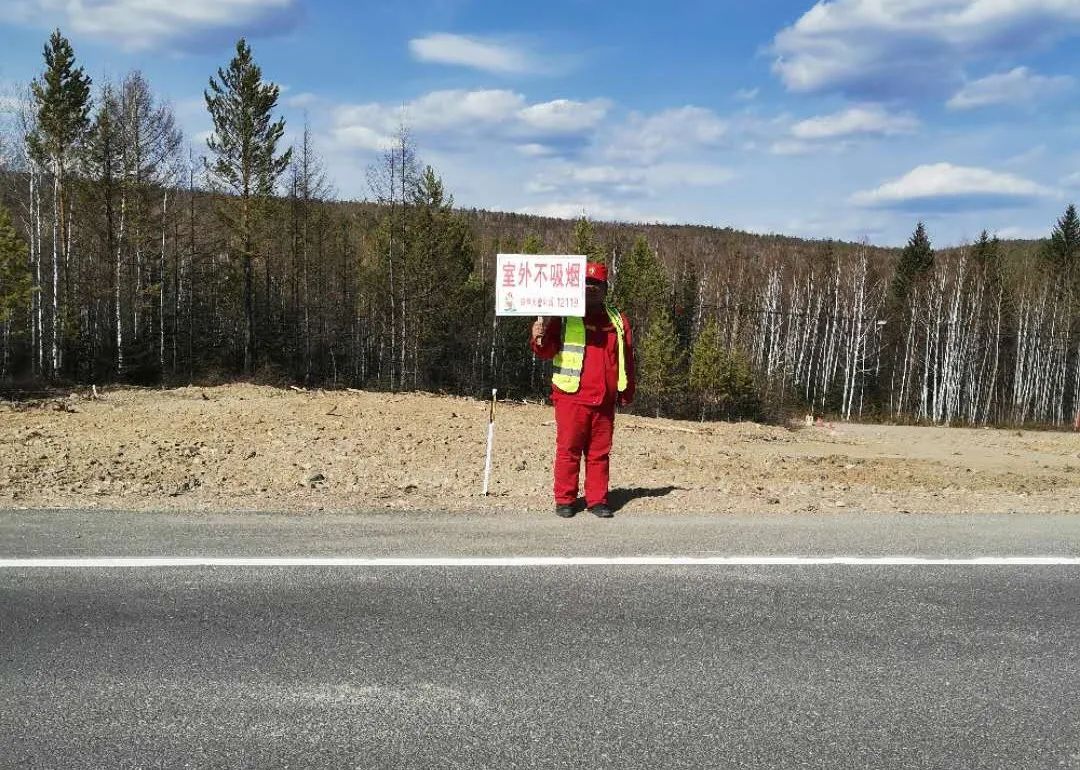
point(243, 447)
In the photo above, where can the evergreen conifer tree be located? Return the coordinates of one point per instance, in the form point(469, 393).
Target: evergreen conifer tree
point(708, 363)
point(740, 387)
point(642, 286)
point(532, 244)
point(443, 294)
point(585, 241)
point(721, 380)
point(245, 160)
point(987, 256)
point(986, 249)
point(660, 362)
point(1063, 249)
point(916, 260)
point(62, 98)
point(14, 273)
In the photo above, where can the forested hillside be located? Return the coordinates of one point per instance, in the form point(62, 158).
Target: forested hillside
point(125, 257)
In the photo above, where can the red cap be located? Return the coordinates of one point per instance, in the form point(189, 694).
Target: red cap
point(596, 271)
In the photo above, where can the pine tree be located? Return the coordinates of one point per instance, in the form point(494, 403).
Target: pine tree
point(1063, 249)
point(661, 363)
point(15, 284)
point(642, 286)
point(585, 241)
point(721, 380)
point(987, 257)
point(62, 98)
point(916, 260)
point(246, 161)
point(14, 273)
point(686, 298)
point(987, 249)
point(740, 387)
point(443, 295)
point(708, 365)
point(532, 244)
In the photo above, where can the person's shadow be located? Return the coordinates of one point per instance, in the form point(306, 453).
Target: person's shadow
point(617, 498)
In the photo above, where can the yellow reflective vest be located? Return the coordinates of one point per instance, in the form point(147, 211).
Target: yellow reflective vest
point(569, 361)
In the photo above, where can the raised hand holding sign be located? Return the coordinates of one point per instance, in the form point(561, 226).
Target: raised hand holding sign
point(540, 284)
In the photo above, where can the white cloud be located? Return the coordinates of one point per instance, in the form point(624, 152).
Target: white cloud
point(1019, 232)
point(689, 175)
point(570, 179)
point(642, 181)
point(644, 157)
point(468, 113)
point(302, 101)
point(535, 150)
point(363, 138)
point(465, 51)
point(441, 110)
point(605, 175)
point(747, 94)
point(1018, 86)
point(862, 119)
point(145, 24)
point(682, 130)
point(792, 147)
point(565, 115)
point(540, 187)
point(883, 47)
point(835, 132)
point(947, 187)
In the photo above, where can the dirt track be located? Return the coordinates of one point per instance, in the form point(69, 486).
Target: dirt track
point(244, 447)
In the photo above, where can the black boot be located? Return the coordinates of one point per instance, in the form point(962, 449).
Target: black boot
point(602, 510)
point(565, 511)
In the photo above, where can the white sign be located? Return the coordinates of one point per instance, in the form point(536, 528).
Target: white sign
point(540, 284)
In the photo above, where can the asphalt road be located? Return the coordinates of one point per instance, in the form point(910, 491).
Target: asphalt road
point(571, 666)
point(91, 533)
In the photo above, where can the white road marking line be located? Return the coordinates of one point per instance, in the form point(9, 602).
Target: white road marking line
point(540, 561)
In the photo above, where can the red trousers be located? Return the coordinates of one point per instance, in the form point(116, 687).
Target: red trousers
point(582, 429)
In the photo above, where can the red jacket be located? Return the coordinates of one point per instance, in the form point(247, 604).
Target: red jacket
point(600, 371)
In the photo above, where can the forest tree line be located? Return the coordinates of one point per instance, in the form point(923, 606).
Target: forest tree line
point(126, 256)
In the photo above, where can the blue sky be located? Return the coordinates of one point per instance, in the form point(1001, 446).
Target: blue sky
point(842, 118)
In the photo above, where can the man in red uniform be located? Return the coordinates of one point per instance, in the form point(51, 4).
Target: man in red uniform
point(593, 372)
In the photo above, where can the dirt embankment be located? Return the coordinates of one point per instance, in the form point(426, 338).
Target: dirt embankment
point(243, 447)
